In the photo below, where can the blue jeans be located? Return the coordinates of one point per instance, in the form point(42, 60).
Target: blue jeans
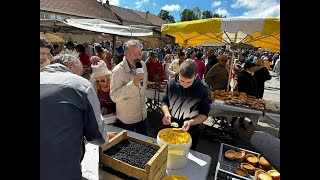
point(139, 127)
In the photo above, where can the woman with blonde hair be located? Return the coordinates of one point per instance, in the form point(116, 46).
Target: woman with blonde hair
point(100, 80)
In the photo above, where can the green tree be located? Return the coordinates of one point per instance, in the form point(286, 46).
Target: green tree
point(215, 15)
point(187, 15)
point(206, 14)
point(164, 15)
point(197, 12)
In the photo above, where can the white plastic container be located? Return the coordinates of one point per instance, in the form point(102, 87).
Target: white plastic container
point(177, 153)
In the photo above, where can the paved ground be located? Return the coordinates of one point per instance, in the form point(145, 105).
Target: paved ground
point(210, 145)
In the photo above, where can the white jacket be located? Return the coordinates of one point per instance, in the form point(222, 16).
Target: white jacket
point(130, 100)
point(174, 68)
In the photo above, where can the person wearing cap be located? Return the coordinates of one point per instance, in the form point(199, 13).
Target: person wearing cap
point(217, 77)
point(175, 65)
point(246, 80)
point(200, 64)
point(155, 69)
point(248, 85)
point(69, 113)
point(100, 79)
point(237, 68)
point(45, 48)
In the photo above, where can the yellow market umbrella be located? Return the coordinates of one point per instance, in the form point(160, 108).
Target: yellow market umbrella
point(51, 37)
point(259, 32)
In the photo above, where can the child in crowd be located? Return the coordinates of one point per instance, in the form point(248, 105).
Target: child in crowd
point(100, 80)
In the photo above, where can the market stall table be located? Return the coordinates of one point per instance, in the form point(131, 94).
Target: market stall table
point(273, 117)
point(219, 108)
point(197, 167)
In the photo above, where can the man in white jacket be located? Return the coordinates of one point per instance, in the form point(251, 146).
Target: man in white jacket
point(128, 89)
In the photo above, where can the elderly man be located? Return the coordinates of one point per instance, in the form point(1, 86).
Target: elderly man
point(217, 77)
point(69, 111)
point(45, 48)
point(128, 89)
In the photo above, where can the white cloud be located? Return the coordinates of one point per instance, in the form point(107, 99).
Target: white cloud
point(114, 2)
point(258, 8)
point(174, 7)
point(216, 4)
point(222, 12)
point(154, 4)
point(139, 3)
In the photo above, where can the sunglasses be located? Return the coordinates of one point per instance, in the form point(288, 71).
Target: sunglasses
point(97, 81)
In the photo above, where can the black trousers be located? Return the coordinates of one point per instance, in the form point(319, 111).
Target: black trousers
point(83, 150)
point(195, 132)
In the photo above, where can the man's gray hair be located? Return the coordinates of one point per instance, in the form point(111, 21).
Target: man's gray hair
point(131, 42)
point(67, 59)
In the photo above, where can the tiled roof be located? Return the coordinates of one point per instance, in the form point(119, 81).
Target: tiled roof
point(153, 19)
point(129, 15)
point(82, 8)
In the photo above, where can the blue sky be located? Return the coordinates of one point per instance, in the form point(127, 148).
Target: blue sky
point(230, 8)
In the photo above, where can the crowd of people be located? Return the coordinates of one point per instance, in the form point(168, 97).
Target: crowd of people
point(71, 106)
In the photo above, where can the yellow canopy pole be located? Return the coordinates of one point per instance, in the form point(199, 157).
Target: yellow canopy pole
point(231, 64)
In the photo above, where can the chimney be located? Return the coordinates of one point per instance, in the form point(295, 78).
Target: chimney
point(147, 15)
point(107, 2)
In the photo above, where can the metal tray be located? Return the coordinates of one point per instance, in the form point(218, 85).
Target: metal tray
point(225, 168)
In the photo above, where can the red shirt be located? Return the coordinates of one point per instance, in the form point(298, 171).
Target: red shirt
point(85, 59)
point(201, 67)
point(153, 69)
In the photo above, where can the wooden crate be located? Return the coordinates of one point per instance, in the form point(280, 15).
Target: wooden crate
point(155, 169)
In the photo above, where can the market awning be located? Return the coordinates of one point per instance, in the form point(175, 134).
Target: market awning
point(79, 26)
point(259, 32)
